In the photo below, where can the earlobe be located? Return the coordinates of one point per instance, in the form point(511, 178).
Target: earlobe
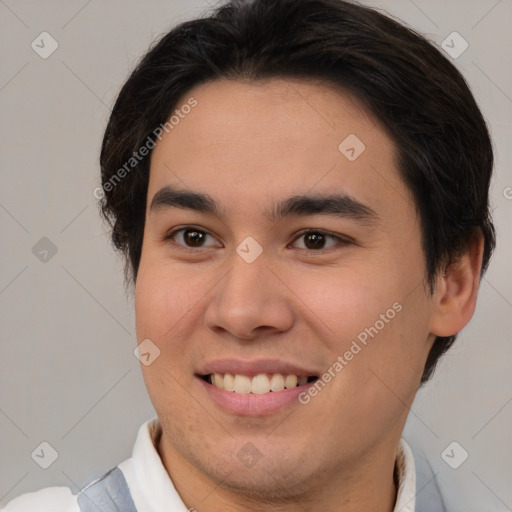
point(456, 291)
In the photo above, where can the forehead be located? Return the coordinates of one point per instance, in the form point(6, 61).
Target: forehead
point(245, 142)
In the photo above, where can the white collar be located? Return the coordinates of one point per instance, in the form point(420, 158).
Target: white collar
point(406, 494)
point(152, 489)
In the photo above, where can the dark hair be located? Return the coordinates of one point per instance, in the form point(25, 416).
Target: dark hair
point(444, 149)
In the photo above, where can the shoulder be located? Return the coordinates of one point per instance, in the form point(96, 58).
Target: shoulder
point(56, 499)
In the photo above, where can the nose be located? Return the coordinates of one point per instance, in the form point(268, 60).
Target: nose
point(249, 302)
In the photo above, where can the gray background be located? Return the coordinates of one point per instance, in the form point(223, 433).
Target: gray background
point(67, 370)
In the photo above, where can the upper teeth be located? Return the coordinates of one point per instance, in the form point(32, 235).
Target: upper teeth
point(259, 384)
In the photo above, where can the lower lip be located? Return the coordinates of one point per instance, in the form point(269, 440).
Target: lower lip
point(250, 404)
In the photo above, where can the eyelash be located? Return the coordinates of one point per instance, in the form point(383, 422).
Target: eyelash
point(340, 241)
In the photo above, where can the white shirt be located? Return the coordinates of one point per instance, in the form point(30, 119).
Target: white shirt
point(152, 489)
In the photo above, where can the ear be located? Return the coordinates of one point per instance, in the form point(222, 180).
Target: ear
point(456, 291)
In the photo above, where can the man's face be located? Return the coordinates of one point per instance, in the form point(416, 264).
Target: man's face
point(349, 292)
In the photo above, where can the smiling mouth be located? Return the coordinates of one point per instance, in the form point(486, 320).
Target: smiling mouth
point(259, 384)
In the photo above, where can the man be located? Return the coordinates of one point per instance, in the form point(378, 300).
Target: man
point(300, 189)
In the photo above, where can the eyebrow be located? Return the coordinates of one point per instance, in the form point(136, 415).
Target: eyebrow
point(340, 205)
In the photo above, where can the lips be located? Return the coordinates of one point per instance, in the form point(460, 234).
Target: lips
point(256, 377)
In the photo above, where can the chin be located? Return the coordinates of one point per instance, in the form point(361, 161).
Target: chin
point(275, 471)
point(267, 481)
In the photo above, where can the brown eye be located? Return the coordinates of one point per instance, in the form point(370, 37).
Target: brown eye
point(191, 237)
point(314, 240)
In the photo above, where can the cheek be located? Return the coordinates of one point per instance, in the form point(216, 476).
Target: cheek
point(164, 314)
point(383, 377)
point(378, 328)
point(164, 299)
point(342, 303)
